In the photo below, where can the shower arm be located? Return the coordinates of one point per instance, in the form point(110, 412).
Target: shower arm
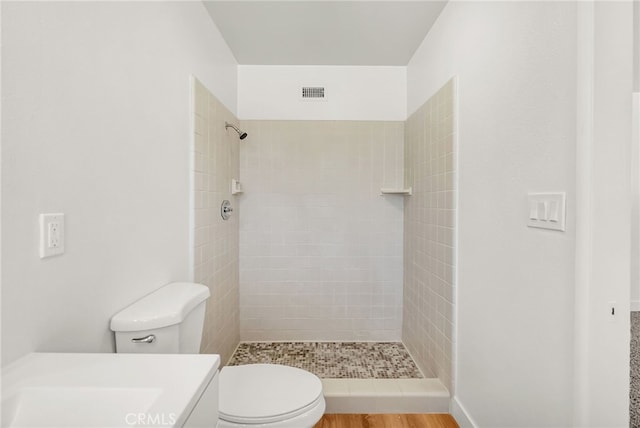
point(241, 133)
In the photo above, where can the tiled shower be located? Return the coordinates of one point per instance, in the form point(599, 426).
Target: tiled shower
point(429, 235)
point(320, 249)
point(215, 242)
point(314, 252)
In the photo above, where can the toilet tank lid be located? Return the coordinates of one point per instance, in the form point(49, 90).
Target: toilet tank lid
point(166, 306)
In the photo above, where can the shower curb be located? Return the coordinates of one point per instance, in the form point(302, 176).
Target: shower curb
point(385, 396)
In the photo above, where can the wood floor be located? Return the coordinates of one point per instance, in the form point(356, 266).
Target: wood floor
point(387, 421)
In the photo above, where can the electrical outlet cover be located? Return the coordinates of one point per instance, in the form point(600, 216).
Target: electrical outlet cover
point(546, 210)
point(51, 235)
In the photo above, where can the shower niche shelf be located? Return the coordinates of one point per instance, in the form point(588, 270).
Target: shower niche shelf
point(393, 191)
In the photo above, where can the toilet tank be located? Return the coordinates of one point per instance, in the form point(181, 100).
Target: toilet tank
point(167, 321)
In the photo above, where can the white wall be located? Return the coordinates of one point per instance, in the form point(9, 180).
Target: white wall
point(605, 85)
point(635, 169)
point(636, 46)
point(320, 249)
point(353, 93)
point(516, 64)
point(96, 125)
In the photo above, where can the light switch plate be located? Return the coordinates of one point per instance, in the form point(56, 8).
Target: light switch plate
point(546, 210)
point(51, 234)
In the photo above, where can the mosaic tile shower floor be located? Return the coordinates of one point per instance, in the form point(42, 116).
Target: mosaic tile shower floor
point(344, 360)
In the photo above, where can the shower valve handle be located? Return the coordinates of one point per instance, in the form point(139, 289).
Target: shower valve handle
point(225, 209)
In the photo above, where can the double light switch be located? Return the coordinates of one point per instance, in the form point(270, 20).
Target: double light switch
point(547, 210)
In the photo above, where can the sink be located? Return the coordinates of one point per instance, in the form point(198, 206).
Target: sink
point(104, 390)
point(35, 407)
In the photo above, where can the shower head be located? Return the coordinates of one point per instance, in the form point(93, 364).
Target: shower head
point(241, 134)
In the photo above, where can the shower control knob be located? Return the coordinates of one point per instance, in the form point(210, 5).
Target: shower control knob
point(225, 209)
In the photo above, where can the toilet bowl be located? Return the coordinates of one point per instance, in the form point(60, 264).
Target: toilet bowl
point(269, 395)
point(170, 320)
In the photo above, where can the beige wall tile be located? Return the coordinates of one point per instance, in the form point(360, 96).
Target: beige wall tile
point(429, 235)
point(320, 249)
point(216, 251)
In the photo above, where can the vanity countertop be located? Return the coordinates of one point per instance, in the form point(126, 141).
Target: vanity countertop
point(104, 390)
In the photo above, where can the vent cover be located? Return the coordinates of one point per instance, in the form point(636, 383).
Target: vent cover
point(313, 93)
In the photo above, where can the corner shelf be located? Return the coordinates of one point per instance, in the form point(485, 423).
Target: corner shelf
point(393, 191)
point(236, 187)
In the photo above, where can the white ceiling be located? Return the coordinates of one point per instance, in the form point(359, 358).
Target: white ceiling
point(324, 32)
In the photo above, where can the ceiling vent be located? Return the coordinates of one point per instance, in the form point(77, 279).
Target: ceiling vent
point(313, 93)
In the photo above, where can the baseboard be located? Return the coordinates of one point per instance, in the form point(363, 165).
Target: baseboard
point(635, 305)
point(460, 414)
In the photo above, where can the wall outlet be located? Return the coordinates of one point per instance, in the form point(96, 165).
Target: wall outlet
point(51, 235)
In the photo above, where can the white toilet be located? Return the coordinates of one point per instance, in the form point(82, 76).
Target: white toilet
point(170, 320)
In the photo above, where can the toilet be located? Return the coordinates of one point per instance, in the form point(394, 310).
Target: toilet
point(171, 319)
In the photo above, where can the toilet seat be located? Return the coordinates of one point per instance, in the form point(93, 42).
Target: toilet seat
point(266, 393)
